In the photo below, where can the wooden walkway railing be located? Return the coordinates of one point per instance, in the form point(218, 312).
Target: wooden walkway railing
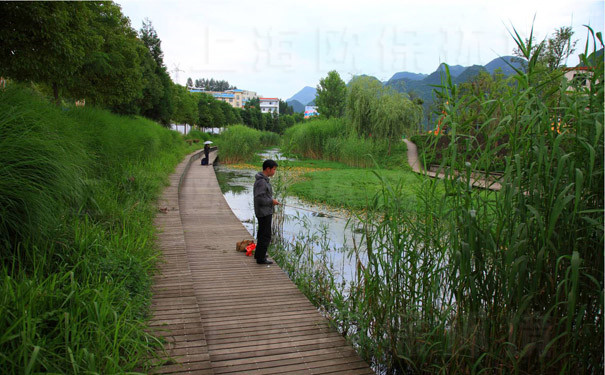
point(220, 312)
point(476, 179)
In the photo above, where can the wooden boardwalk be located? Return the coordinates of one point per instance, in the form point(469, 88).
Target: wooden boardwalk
point(220, 312)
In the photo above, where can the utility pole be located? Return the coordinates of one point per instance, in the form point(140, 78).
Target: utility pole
point(176, 71)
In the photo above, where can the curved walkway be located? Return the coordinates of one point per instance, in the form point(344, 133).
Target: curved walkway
point(477, 180)
point(219, 311)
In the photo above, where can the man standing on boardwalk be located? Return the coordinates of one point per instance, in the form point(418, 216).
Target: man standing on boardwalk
point(263, 209)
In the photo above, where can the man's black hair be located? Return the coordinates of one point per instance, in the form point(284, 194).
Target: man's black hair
point(269, 164)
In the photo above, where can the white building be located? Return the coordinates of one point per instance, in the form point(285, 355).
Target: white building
point(269, 105)
point(580, 75)
point(236, 98)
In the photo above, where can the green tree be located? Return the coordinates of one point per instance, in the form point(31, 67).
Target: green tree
point(331, 95)
point(151, 40)
point(185, 109)
point(284, 108)
point(380, 112)
point(204, 103)
point(218, 114)
point(111, 76)
point(45, 42)
point(189, 82)
point(159, 95)
point(361, 103)
point(394, 114)
point(551, 52)
point(559, 47)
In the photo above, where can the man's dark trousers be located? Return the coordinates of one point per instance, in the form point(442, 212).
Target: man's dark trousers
point(263, 237)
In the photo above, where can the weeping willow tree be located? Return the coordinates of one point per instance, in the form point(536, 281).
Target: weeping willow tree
point(380, 112)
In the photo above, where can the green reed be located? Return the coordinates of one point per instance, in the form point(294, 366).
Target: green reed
point(331, 139)
point(239, 143)
point(489, 282)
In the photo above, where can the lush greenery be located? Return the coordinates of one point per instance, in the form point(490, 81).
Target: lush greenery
point(198, 135)
point(352, 188)
point(215, 113)
point(239, 143)
point(482, 120)
point(87, 52)
point(77, 190)
point(361, 126)
point(331, 96)
point(507, 282)
point(253, 117)
point(332, 140)
point(380, 112)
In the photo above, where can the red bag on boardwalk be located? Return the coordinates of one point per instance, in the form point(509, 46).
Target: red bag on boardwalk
point(249, 249)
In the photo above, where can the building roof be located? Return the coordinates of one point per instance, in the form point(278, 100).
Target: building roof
point(268, 98)
point(223, 95)
point(579, 68)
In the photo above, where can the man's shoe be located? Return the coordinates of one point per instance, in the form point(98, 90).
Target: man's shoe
point(264, 261)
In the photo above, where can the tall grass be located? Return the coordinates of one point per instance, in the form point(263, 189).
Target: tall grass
point(239, 143)
point(330, 139)
point(507, 282)
point(77, 192)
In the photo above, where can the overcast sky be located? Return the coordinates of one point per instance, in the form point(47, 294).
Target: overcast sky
point(277, 47)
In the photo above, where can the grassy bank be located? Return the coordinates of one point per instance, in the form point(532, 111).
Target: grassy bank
point(351, 188)
point(77, 191)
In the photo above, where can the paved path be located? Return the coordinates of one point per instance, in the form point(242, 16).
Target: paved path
point(477, 180)
point(220, 312)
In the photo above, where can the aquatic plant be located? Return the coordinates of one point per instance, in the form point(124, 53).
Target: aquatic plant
point(506, 282)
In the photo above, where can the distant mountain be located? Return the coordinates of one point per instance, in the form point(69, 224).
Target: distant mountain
point(422, 85)
point(296, 106)
point(304, 96)
point(407, 75)
point(502, 63)
point(435, 78)
point(455, 70)
point(312, 103)
point(468, 74)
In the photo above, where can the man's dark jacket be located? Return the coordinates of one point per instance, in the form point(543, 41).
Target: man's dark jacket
point(263, 196)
